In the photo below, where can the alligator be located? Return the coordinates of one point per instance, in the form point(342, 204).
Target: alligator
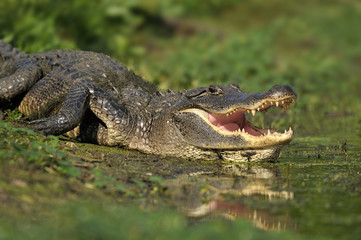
point(93, 98)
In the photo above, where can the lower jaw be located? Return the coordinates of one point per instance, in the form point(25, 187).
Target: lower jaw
point(252, 155)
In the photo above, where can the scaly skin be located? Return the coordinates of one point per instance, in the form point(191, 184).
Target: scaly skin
point(94, 98)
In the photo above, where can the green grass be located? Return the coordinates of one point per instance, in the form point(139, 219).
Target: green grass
point(32, 150)
point(312, 45)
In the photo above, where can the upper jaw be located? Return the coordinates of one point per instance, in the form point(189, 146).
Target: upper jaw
point(229, 99)
point(257, 106)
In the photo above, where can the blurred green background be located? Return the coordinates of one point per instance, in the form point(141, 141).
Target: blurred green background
point(313, 45)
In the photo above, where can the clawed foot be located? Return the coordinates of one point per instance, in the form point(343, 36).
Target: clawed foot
point(54, 125)
point(40, 125)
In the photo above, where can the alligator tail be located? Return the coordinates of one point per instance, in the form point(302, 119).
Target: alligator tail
point(18, 72)
point(8, 52)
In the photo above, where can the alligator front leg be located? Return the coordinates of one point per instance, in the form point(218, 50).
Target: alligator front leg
point(118, 121)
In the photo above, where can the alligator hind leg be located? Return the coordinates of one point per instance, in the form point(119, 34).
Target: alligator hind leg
point(82, 96)
point(71, 113)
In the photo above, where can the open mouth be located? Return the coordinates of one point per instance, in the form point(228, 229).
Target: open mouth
point(233, 122)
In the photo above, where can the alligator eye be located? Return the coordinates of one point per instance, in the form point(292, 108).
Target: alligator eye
point(204, 91)
point(215, 90)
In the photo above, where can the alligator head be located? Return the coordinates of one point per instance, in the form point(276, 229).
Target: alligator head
point(211, 122)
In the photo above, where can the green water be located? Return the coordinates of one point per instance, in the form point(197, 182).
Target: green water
point(313, 190)
point(325, 176)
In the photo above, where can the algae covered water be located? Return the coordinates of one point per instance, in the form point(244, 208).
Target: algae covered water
point(324, 174)
point(314, 189)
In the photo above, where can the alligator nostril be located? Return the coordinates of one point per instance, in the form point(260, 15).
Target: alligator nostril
point(282, 90)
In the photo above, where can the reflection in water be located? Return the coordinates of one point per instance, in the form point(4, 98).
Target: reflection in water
point(230, 192)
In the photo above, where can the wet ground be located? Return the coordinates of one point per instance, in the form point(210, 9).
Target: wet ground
point(313, 189)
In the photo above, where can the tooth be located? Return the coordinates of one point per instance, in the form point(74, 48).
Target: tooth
point(253, 112)
point(248, 111)
point(271, 103)
point(277, 103)
point(227, 114)
point(285, 131)
point(290, 130)
point(243, 130)
point(262, 105)
point(283, 102)
point(268, 132)
point(257, 109)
